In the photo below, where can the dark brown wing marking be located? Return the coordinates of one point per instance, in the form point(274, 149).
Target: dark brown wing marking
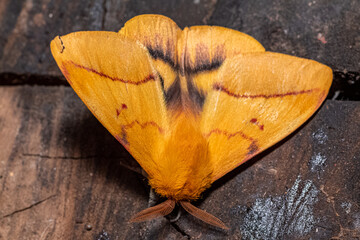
point(150, 77)
point(257, 123)
point(173, 95)
point(196, 96)
point(203, 60)
point(253, 147)
point(219, 87)
point(229, 135)
point(158, 53)
point(122, 137)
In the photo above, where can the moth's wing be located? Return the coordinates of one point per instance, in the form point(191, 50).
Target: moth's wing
point(207, 47)
point(115, 78)
point(256, 100)
point(159, 35)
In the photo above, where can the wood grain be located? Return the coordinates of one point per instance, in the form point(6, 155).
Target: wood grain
point(27, 27)
point(320, 31)
point(61, 171)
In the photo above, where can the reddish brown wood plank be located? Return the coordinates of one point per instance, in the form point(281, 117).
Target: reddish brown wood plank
point(61, 170)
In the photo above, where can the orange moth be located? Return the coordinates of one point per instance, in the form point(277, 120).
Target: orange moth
point(189, 105)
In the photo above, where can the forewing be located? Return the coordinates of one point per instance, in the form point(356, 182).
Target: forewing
point(204, 50)
point(115, 78)
point(256, 100)
point(159, 35)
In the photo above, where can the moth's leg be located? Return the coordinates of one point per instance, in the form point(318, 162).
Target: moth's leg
point(179, 210)
point(153, 198)
point(133, 166)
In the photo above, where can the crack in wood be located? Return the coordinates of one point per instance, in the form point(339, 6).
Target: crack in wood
point(104, 8)
point(14, 79)
point(57, 157)
point(181, 231)
point(29, 207)
point(210, 12)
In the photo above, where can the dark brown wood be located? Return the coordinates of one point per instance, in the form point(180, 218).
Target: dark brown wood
point(62, 177)
point(326, 31)
point(27, 27)
point(322, 30)
point(305, 187)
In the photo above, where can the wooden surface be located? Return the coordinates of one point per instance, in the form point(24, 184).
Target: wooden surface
point(61, 171)
point(323, 30)
point(63, 176)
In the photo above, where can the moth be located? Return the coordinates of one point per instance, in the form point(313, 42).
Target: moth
point(189, 105)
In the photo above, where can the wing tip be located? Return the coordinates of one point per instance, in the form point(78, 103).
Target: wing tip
point(147, 18)
point(57, 45)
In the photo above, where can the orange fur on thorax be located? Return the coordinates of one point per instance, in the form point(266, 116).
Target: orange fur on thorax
point(183, 169)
